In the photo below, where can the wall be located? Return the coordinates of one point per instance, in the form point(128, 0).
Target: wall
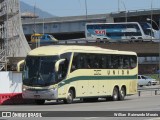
point(11, 82)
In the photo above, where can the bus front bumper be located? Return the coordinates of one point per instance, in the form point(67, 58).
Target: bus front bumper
point(49, 94)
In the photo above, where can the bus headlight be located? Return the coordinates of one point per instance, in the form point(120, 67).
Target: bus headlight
point(53, 89)
point(24, 89)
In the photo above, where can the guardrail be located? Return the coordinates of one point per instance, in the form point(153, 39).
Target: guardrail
point(84, 41)
point(139, 10)
point(148, 89)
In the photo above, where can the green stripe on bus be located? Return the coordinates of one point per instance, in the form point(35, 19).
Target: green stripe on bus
point(67, 81)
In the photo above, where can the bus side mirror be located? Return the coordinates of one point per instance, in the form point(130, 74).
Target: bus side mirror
point(19, 64)
point(57, 64)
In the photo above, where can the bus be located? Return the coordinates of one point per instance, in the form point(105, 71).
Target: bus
point(60, 72)
point(114, 32)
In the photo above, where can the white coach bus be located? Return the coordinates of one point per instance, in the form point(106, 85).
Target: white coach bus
point(114, 32)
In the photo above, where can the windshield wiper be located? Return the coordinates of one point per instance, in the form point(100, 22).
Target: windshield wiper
point(39, 75)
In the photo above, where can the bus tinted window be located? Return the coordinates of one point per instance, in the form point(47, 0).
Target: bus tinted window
point(103, 61)
point(64, 66)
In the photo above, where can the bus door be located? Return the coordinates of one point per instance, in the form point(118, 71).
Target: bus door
point(62, 75)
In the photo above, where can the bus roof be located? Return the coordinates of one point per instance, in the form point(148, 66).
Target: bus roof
point(112, 23)
point(59, 49)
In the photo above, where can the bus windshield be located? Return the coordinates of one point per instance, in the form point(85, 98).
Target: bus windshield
point(39, 71)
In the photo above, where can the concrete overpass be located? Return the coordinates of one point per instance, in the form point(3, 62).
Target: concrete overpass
point(73, 26)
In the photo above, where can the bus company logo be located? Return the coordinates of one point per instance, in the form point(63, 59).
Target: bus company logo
point(100, 32)
point(6, 114)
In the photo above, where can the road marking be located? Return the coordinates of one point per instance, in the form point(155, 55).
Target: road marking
point(88, 118)
point(154, 118)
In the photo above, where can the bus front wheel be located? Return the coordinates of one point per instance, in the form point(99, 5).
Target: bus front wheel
point(69, 98)
point(39, 102)
point(115, 94)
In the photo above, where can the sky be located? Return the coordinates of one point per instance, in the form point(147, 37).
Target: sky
point(77, 7)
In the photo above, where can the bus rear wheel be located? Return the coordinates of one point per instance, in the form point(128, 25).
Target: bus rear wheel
point(115, 94)
point(122, 93)
point(69, 98)
point(39, 102)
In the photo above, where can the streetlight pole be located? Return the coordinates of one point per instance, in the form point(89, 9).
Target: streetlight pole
point(86, 8)
point(148, 19)
point(125, 10)
point(118, 6)
point(152, 15)
point(159, 51)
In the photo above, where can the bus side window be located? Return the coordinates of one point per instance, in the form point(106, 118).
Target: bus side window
point(64, 65)
point(96, 62)
point(80, 61)
point(115, 61)
point(103, 62)
point(120, 62)
point(126, 62)
point(61, 73)
point(75, 61)
point(133, 61)
point(108, 62)
point(88, 61)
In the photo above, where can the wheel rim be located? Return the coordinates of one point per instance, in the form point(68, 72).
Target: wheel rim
point(123, 92)
point(115, 94)
point(149, 83)
point(70, 98)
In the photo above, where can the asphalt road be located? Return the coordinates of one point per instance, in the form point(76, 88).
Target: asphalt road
point(146, 102)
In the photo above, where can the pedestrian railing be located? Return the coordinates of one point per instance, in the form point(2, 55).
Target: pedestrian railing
point(155, 90)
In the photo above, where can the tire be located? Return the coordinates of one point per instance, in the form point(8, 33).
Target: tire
point(39, 102)
point(115, 94)
point(149, 84)
point(98, 40)
point(122, 94)
point(105, 40)
point(69, 98)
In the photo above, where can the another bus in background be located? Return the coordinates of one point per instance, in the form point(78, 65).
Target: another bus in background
point(114, 32)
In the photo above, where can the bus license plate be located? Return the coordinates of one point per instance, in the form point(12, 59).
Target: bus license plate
point(37, 96)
